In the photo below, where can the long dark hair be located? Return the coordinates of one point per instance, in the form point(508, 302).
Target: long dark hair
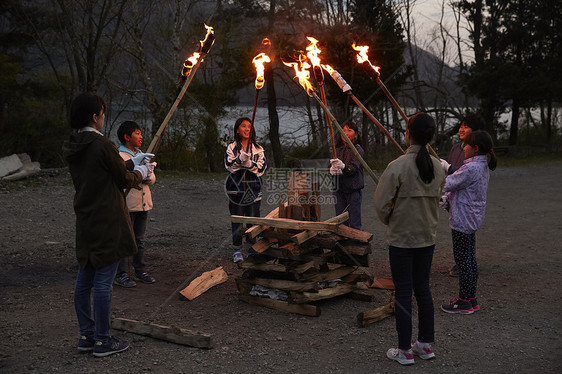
point(354, 127)
point(83, 108)
point(421, 128)
point(252, 131)
point(485, 146)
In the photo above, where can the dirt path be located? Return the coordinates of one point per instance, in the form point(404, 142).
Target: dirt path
point(518, 330)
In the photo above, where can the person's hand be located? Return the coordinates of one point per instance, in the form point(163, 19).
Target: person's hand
point(244, 156)
point(337, 163)
point(445, 165)
point(139, 157)
point(150, 166)
point(444, 202)
point(143, 169)
point(335, 171)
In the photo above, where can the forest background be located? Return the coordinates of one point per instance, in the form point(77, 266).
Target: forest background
point(500, 60)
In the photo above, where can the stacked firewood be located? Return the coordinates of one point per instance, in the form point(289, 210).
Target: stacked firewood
point(299, 259)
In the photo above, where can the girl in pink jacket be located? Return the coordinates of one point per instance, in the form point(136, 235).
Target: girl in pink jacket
point(465, 191)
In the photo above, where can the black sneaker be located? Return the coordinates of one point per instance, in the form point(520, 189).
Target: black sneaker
point(123, 280)
point(474, 303)
point(113, 345)
point(85, 343)
point(458, 306)
point(144, 278)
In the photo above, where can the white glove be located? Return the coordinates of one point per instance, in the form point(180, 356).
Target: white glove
point(335, 171)
point(444, 202)
point(150, 166)
point(143, 169)
point(337, 163)
point(445, 165)
point(244, 156)
point(139, 157)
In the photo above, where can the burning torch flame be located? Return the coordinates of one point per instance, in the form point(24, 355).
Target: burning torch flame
point(362, 57)
point(209, 40)
point(312, 54)
point(259, 62)
point(189, 62)
point(303, 74)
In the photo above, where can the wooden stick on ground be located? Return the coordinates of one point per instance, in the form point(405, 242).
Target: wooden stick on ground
point(168, 333)
point(205, 281)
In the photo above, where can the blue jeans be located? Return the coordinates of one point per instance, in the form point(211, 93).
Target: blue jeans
point(101, 280)
point(350, 201)
point(138, 220)
point(410, 269)
point(238, 209)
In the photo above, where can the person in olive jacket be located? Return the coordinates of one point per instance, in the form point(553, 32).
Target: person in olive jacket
point(103, 227)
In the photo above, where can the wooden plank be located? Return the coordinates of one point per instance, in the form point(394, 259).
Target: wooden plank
point(304, 236)
point(286, 223)
point(350, 233)
point(375, 315)
point(254, 231)
point(168, 333)
point(285, 285)
point(280, 268)
point(261, 245)
point(330, 275)
point(326, 293)
point(205, 281)
point(305, 310)
point(354, 248)
point(380, 282)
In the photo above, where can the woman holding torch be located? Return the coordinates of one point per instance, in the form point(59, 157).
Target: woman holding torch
point(407, 201)
point(348, 177)
point(245, 161)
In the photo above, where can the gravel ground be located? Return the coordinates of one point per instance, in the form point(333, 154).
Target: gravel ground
point(518, 248)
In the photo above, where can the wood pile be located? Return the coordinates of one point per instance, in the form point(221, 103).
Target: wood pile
point(299, 259)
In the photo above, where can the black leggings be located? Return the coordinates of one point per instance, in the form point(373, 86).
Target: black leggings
point(464, 249)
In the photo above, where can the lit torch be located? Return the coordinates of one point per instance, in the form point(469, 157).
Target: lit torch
point(312, 54)
point(374, 73)
point(259, 62)
point(188, 71)
point(302, 73)
point(346, 88)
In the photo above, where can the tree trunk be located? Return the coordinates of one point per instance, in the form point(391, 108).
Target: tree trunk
point(514, 129)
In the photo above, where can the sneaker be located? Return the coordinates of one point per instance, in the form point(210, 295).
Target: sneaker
point(85, 343)
point(402, 357)
point(113, 345)
point(475, 306)
point(457, 305)
point(454, 271)
point(123, 280)
point(425, 353)
point(144, 278)
point(237, 257)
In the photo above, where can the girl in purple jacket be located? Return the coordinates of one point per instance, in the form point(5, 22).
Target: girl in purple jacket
point(465, 192)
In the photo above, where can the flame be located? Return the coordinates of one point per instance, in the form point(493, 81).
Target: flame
point(313, 51)
point(301, 72)
point(189, 62)
point(329, 69)
point(259, 62)
point(266, 42)
point(362, 56)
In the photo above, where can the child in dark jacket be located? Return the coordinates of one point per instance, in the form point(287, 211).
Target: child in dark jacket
point(348, 177)
point(103, 228)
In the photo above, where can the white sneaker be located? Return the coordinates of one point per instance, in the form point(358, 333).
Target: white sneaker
point(423, 353)
point(402, 357)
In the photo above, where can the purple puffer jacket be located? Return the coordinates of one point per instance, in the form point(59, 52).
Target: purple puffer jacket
point(466, 189)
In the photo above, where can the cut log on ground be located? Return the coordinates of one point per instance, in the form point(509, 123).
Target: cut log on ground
point(384, 283)
point(168, 333)
point(375, 315)
point(205, 281)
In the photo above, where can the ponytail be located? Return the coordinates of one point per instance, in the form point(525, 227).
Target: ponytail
point(421, 128)
point(493, 162)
